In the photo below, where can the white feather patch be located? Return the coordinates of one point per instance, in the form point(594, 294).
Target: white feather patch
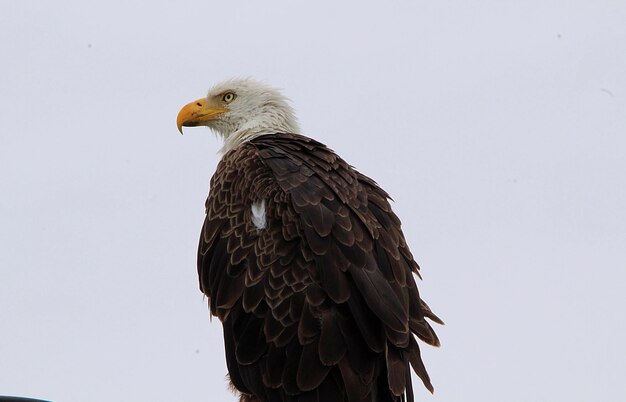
point(258, 214)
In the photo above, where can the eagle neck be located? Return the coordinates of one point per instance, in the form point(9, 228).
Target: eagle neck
point(242, 136)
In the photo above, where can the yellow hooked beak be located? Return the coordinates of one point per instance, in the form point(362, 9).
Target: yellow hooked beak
point(198, 113)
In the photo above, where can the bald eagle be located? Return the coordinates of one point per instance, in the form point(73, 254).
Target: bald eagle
point(303, 261)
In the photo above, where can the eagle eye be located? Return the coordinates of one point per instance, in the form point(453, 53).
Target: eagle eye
point(228, 97)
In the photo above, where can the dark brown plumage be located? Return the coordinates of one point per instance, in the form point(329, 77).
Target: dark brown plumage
point(320, 304)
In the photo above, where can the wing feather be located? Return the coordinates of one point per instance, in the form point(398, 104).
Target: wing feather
point(321, 304)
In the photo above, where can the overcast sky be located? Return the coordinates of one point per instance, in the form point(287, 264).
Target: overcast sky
point(498, 127)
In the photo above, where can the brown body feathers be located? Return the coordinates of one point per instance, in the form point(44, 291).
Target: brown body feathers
point(316, 294)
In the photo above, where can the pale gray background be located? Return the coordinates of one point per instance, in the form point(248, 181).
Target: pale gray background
point(499, 128)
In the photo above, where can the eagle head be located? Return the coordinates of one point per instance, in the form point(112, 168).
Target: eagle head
point(238, 110)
